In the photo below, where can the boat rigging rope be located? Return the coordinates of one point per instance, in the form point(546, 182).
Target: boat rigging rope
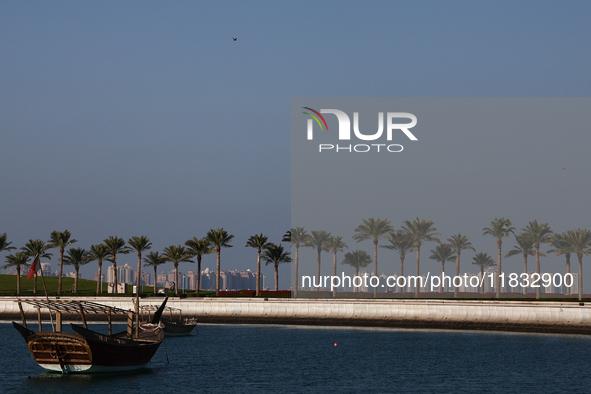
point(165, 351)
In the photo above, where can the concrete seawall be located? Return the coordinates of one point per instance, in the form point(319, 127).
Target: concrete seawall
point(546, 317)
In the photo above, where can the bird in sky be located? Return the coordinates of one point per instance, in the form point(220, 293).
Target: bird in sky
point(235, 39)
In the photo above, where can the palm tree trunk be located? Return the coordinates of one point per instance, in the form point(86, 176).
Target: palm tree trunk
point(319, 251)
point(217, 276)
point(258, 287)
point(401, 270)
point(76, 280)
point(59, 280)
point(139, 272)
point(18, 279)
point(296, 281)
point(115, 275)
point(375, 266)
point(538, 289)
point(567, 255)
point(480, 289)
point(356, 289)
point(198, 287)
point(442, 275)
point(276, 277)
point(456, 290)
point(525, 271)
point(176, 278)
point(416, 280)
point(580, 256)
point(334, 273)
point(155, 281)
point(35, 283)
point(499, 268)
point(98, 279)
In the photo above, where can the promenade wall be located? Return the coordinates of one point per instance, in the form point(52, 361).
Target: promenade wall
point(546, 317)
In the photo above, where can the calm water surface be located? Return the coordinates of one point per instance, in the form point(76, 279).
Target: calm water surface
point(253, 359)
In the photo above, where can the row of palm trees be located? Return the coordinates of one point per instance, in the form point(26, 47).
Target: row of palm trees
point(409, 238)
point(112, 246)
point(413, 234)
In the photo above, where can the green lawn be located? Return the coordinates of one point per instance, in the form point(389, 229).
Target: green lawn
point(8, 286)
point(85, 287)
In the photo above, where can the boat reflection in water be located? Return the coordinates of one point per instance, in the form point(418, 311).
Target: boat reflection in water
point(87, 351)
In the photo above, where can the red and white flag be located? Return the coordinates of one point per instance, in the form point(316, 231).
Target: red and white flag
point(34, 267)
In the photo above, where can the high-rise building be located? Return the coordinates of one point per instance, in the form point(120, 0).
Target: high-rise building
point(46, 268)
point(125, 274)
point(229, 280)
point(162, 279)
point(145, 278)
point(208, 279)
point(192, 275)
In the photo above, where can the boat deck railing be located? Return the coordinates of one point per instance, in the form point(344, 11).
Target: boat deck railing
point(81, 307)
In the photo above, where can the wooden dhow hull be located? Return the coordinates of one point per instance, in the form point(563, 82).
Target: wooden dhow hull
point(178, 329)
point(90, 352)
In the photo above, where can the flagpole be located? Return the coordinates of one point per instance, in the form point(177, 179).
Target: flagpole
point(46, 296)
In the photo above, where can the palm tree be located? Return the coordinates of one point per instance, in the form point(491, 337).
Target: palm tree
point(442, 253)
point(61, 240)
point(538, 234)
point(458, 243)
point(76, 257)
point(115, 246)
point(153, 259)
point(499, 228)
point(580, 241)
point(98, 253)
point(318, 241)
point(298, 237)
point(524, 247)
point(560, 246)
point(198, 247)
point(373, 229)
point(258, 241)
point(420, 231)
point(356, 259)
point(482, 260)
point(139, 244)
point(4, 245)
point(335, 245)
point(16, 260)
point(401, 242)
point(220, 239)
point(37, 249)
point(177, 254)
point(275, 254)
point(286, 236)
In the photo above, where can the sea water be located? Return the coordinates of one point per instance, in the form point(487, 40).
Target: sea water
point(295, 359)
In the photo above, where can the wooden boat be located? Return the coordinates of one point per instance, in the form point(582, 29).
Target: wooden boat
point(178, 328)
point(174, 324)
point(87, 351)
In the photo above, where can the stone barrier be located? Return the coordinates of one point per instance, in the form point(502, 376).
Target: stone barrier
point(548, 317)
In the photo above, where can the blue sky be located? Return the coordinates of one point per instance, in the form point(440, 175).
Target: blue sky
point(146, 118)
